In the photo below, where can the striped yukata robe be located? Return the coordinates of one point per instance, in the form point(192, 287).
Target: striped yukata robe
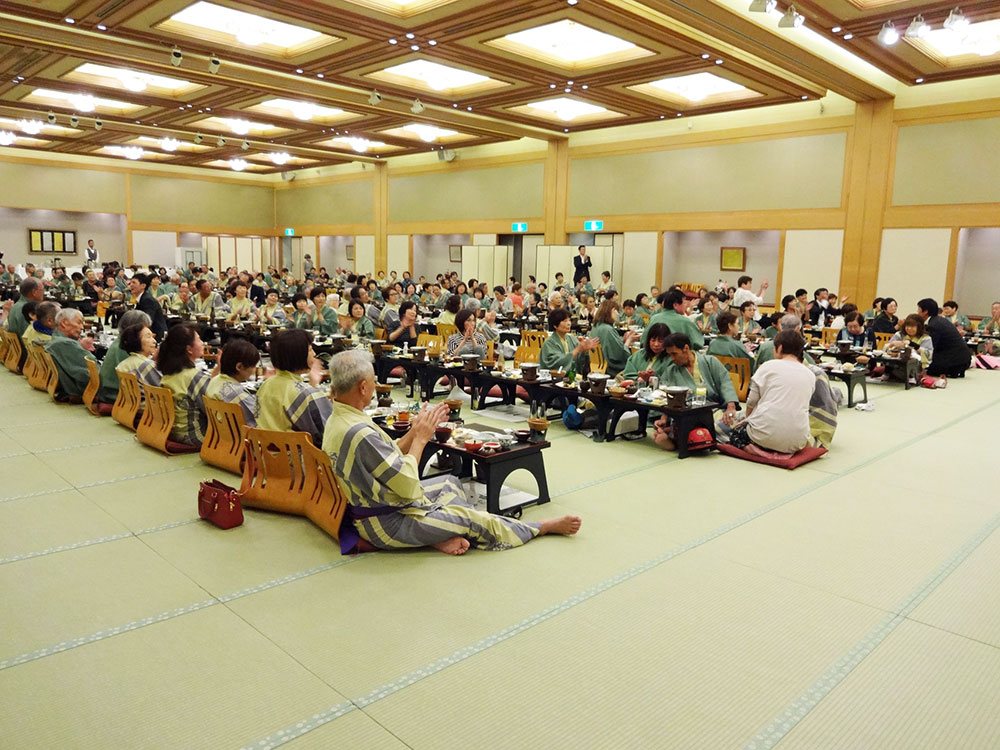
point(286, 404)
point(823, 409)
point(145, 372)
point(188, 386)
point(391, 507)
point(224, 388)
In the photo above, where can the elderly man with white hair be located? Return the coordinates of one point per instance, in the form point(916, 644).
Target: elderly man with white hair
point(389, 506)
point(70, 353)
point(765, 351)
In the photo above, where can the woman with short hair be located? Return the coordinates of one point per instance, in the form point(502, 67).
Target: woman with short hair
point(237, 364)
point(359, 325)
point(886, 321)
point(615, 350)
point(284, 401)
point(468, 340)
point(651, 358)
point(175, 360)
point(562, 350)
point(912, 334)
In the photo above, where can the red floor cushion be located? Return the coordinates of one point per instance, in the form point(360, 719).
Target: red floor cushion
point(174, 447)
point(105, 410)
point(804, 456)
point(522, 394)
point(397, 372)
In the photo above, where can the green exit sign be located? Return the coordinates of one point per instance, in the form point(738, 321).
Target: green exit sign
point(594, 225)
point(289, 232)
point(519, 226)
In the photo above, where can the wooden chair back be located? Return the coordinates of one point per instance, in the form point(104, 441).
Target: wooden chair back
point(15, 347)
point(157, 418)
point(533, 338)
point(3, 344)
point(35, 368)
point(645, 318)
point(739, 373)
point(93, 386)
point(129, 400)
point(597, 361)
point(445, 330)
point(285, 472)
point(224, 444)
point(52, 383)
point(526, 353)
point(433, 343)
point(380, 334)
point(344, 320)
point(829, 336)
point(882, 339)
point(491, 352)
point(102, 309)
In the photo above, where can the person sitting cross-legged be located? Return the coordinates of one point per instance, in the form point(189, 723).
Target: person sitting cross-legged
point(70, 353)
point(237, 364)
point(284, 402)
point(41, 328)
point(138, 342)
point(390, 507)
point(727, 343)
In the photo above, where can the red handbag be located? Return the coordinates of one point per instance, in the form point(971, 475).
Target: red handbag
point(220, 504)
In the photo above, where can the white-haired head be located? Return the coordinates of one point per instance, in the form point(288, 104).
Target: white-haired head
point(348, 369)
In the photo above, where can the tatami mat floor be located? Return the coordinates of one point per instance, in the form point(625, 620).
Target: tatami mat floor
point(707, 603)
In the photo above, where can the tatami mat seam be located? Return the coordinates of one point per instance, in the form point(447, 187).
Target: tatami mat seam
point(99, 540)
point(297, 730)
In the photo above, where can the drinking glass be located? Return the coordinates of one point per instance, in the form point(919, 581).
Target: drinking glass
point(700, 396)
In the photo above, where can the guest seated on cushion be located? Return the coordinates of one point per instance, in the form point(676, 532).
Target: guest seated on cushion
point(562, 349)
point(727, 344)
point(874, 312)
point(651, 359)
point(674, 314)
point(108, 392)
point(778, 404)
point(949, 311)
point(630, 314)
point(175, 360)
point(706, 319)
point(43, 324)
point(237, 364)
point(467, 340)
point(770, 323)
point(746, 325)
point(990, 324)
point(271, 312)
point(913, 335)
point(138, 343)
point(951, 357)
point(359, 325)
point(322, 318)
point(616, 352)
point(886, 321)
point(854, 331)
point(406, 332)
point(70, 354)
point(642, 306)
point(284, 402)
point(451, 307)
point(302, 317)
point(390, 507)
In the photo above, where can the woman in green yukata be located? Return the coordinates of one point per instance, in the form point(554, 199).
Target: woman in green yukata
point(322, 318)
point(726, 344)
point(651, 359)
point(562, 349)
point(745, 323)
point(302, 317)
point(706, 317)
point(642, 305)
point(240, 306)
point(615, 350)
point(389, 506)
point(359, 325)
point(949, 311)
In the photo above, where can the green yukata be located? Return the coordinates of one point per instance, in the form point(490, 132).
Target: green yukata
point(391, 508)
point(706, 323)
point(179, 306)
point(362, 328)
point(108, 392)
point(270, 314)
point(71, 363)
point(188, 386)
point(765, 353)
point(11, 279)
point(328, 323)
point(242, 308)
point(16, 322)
point(959, 321)
point(727, 346)
point(139, 365)
point(224, 388)
point(301, 319)
point(557, 353)
point(709, 373)
point(639, 363)
point(286, 404)
point(677, 323)
point(212, 302)
point(615, 353)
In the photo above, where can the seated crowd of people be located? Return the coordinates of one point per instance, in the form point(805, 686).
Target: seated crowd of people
point(673, 338)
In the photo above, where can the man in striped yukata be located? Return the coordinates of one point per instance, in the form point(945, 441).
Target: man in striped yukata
point(390, 507)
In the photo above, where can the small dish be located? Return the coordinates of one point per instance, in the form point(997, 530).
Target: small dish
point(473, 445)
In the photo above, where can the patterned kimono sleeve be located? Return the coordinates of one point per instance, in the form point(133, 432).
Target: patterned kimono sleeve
point(309, 412)
point(371, 462)
point(147, 373)
point(197, 389)
point(248, 403)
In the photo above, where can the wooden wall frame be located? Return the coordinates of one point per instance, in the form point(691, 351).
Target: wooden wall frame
point(733, 259)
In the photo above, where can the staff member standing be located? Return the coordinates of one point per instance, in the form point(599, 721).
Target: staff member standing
point(581, 265)
point(91, 254)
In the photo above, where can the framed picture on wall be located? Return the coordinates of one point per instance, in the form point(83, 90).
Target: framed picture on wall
point(733, 259)
point(455, 253)
point(349, 249)
point(51, 242)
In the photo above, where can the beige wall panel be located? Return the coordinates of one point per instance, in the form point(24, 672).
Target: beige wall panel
point(339, 203)
point(244, 254)
point(529, 255)
point(499, 193)
point(169, 200)
point(812, 260)
point(431, 255)
point(398, 253)
point(106, 230)
point(227, 254)
point(641, 249)
point(948, 162)
point(486, 270)
point(786, 173)
point(470, 263)
point(694, 258)
point(913, 265)
point(501, 265)
point(35, 186)
point(364, 253)
point(543, 255)
point(155, 247)
point(484, 239)
point(212, 252)
point(977, 276)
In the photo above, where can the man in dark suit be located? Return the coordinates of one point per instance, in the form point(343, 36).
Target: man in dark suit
point(581, 265)
point(951, 356)
point(148, 304)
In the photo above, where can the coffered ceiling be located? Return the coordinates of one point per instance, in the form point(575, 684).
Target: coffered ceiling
point(274, 85)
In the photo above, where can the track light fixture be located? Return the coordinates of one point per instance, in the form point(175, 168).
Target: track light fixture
point(220, 141)
point(245, 145)
point(375, 99)
point(792, 19)
point(176, 56)
point(98, 123)
point(51, 117)
point(918, 28)
point(198, 138)
point(214, 64)
point(888, 34)
point(74, 121)
point(417, 107)
point(762, 6)
point(956, 20)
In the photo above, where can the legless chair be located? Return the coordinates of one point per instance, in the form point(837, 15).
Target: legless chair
point(52, 385)
point(597, 361)
point(739, 373)
point(224, 442)
point(432, 342)
point(830, 336)
point(444, 330)
point(129, 400)
point(526, 354)
point(285, 472)
point(90, 394)
point(533, 339)
point(157, 422)
point(882, 339)
point(3, 344)
point(35, 368)
point(14, 349)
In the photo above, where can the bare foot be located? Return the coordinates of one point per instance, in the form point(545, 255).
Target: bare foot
point(567, 525)
point(455, 546)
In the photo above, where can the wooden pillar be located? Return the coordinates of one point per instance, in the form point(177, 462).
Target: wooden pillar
point(868, 194)
point(381, 216)
point(555, 202)
point(129, 258)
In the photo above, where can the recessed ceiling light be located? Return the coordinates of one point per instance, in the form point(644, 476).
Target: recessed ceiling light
point(70, 20)
point(393, 41)
point(848, 36)
point(919, 80)
point(585, 87)
point(409, 36)
point(718, 62)
point(299, 71)
point(552, 85)
point(568, 90)
point(571, 2)
point(662, 116)
point(101, 27)
point(569, 83)
point(705, 56)
point(679, 114)
point(804, 97)
point(469, 108)
point(432, 42)
point(415, 47)
point(320, 75)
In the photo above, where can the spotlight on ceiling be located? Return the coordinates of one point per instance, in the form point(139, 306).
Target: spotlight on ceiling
point(220, 141)
point(375, 99)
point(98, 123)
point(198, 138)
point(888, 34)
point(74, 121)
point(792, 19)
point(51, 117)
point(245, 145)
point(956, 20)
point(417, 107)
point(762, 6)
point(918, 28)
point(214, 64)
point(176, 56)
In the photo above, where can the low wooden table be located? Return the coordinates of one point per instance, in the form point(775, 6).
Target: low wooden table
point(495, 468)
point(852, 379)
